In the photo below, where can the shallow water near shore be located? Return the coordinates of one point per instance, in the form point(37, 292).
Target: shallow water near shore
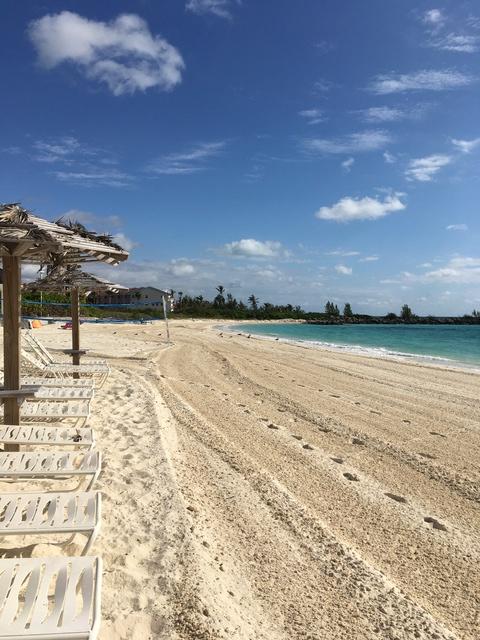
point(441, 344)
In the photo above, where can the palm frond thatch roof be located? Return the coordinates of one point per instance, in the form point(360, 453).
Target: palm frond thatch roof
point(64, 279)
point(36, 240)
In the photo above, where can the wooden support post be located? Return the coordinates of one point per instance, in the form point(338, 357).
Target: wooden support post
point(11, 338)
point(75, 302)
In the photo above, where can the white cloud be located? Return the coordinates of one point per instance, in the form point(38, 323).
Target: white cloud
point(369, 140)
point(60, 150)
point(322, 86)
point(92, 178)
point(426, 80)
point(251, 248)
point(425, 169)
point(369, 259)
point(377, 115)
point(313, 116)
point(389, 157)
point(181, 268)
point(124, 241)
point(456, 227)
point(122, 53)
point(457, 42)
point(466, 146)
point(461, 270)
point(345, 271)
point(341, 252)
point(348, 164)
point(434, 17)
point(187, 162)
point(220, 8)
point(348, 209)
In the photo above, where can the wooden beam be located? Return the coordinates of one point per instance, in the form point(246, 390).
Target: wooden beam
point(11, 338)
point(75, 302)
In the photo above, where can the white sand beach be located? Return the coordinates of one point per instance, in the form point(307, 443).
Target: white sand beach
point(259, 490)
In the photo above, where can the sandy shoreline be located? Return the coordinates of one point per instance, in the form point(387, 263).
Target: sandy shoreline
point(260, 490)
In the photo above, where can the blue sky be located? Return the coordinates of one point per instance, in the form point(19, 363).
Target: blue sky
point(302, 151)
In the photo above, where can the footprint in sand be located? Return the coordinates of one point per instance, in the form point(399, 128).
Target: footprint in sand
point(272, 426)
point(239, 404)
point(308, 447)
point(377, 413)
point(351, 476)
point(265, 419)
point(320, 389)
point(280, 410)
point(426, 455)
point(337, 460)
point(393, 496)
point(407, 421)
point(435, 523)
point(357, 441)
point(332, 395)
point(324, 429)
point(296, 437)
point(435, 433)
point(301, 385)
point(358, 403)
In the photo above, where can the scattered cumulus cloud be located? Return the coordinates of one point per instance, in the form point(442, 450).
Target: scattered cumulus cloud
point(377, 115)
point(426, 80)
point(348, 164)
point(322, 86)
point(124, 241)
point(219, 8)
point(389, 157)
point(369, 140)
point(461, 270)
point(466, 146)
point(434, 17)
point(122, 54)
point(369, 259)
point(457, 42)
point(350, 209)
point(312, 116)
point(344, 270)
point(181, 267)
point(187, 162)
point(456, 227)
point(425, 169)
point(251, 248)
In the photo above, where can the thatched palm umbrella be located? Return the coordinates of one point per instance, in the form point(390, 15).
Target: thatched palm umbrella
point(70, 278)
point(29, 239)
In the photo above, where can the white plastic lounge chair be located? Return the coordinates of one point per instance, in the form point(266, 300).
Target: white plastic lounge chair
point(58, 394)
point(40, 434)
point(32, 381)
point(46, 513)
point(77, 410)
point(50, 598)
point(46, 465)
point(60, 371)
point(45, 355)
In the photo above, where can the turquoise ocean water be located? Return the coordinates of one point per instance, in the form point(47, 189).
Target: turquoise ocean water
point(441, 344)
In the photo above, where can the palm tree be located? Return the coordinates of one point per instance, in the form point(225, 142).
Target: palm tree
point(219, 298)
point(253, 302)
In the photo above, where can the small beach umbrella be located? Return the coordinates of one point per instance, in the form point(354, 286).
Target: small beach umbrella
point(71, 279)
point(26, 238)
